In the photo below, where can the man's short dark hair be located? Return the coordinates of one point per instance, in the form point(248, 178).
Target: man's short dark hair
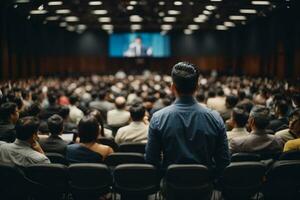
point(6, 110)
point(137, 112)
point(102, 94)
point(185, 77)
point(260, 115)
point(55, 124)
point(283, 107)
point(26, 127)
point(88, 129)
point(240, 117)
point(52, 98)
point(73, 99)
point(64, 112)
point(231, 101)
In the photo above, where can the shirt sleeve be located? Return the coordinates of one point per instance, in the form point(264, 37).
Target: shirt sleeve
point(153, 147)
point(222, 155)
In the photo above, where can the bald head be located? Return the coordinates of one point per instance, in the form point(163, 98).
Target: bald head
point(120, 102)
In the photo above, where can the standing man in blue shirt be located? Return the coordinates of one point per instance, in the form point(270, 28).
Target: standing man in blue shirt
point(186, 132)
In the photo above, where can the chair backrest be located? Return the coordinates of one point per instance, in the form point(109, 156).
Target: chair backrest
point(136, 179)
point(12, 182)
point(290, 155)
point(282, 180)
point(244, 157)
point(48, 181)
point(132, 147)
point(89, 181)
point(109, 142)
point(57, 158)
point(188, 182)
point(242, 180)
point(115, 159)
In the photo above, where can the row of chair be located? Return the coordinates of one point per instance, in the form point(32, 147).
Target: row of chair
point(240, 180)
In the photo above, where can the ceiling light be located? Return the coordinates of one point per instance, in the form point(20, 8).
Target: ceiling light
point(135, 18)
point(193, 26)
point(166, 27)
point(22, 1)
point(133, 3)
point(215, 0)
point(207, 12)
point(52, 18)
point(63, 24)
point(169, 19)
point(210, 7)
point(107, 27)
point(177, 3)
point(104, 19)
point(72, 19)
point(63, 11)
point(161, 14)
point(38, 12)
point(173, 12)
point(135, 27)
point(41, 7)
point(237, 17)
point(248, 11)
point(95, 3)
point(81, 27)
point(161, 3)
point(221, 27)
point(200, 18)
point(229, 24)
point(55, 3)
point(99, 12)
point(187, 31)
point(70, 28)
point(129, 7)
point(260, 2)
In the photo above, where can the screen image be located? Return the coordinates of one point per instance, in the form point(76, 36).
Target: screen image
point(139, 45)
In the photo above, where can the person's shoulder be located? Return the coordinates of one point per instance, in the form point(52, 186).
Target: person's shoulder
point(164, 111)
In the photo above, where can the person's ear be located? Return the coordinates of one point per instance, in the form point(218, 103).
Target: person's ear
point(173, 89)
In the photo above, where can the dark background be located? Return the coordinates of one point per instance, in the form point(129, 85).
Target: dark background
point(268, 46)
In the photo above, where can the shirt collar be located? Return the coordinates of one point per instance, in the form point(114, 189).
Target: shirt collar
point(22, 143)
point(186, 99)
point(238, 129)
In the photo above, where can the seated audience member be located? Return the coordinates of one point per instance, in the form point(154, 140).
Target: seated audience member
point(104, 132)
point(52, 108)
point(88, 150)
point(294, 125)
point(137, 130)
point(185, 132)
point(289, 133)
point(201, 99)
point(54, 143)
point(8, 117)
point(26, 149)
point(281, 113)
point(217, 103)
point(75, 114)
point(238, 121)
point(118, 117)
point(258, 140)
point(296, 101)
point(101, 103)
point(231, 102)
point(68, 126)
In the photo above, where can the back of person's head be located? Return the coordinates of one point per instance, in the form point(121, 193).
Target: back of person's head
point(120, 102)
point(97, 114)
point(64, 112)
point(34, 109)
point(242, 94)
point(102, 94)
point(294, 122)
point(26, 127)
point(137, 112)
point(185, 78)
point(200, 97)
point(260, 116)
point(296, 99)
point(282, 107)
point(8, 112)
point(55, 124)
point(231, 101)
point(220, 92)
point(52, 98)
point(73, 99)
point(240, 117)
point(88, 129)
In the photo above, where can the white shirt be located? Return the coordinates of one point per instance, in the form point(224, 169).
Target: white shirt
point(236, 132)
point(134, 132)
point(217, 103)
point(117, 117)
point(75, 114)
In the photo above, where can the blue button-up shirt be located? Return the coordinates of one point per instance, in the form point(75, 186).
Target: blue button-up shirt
point(187, 133)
